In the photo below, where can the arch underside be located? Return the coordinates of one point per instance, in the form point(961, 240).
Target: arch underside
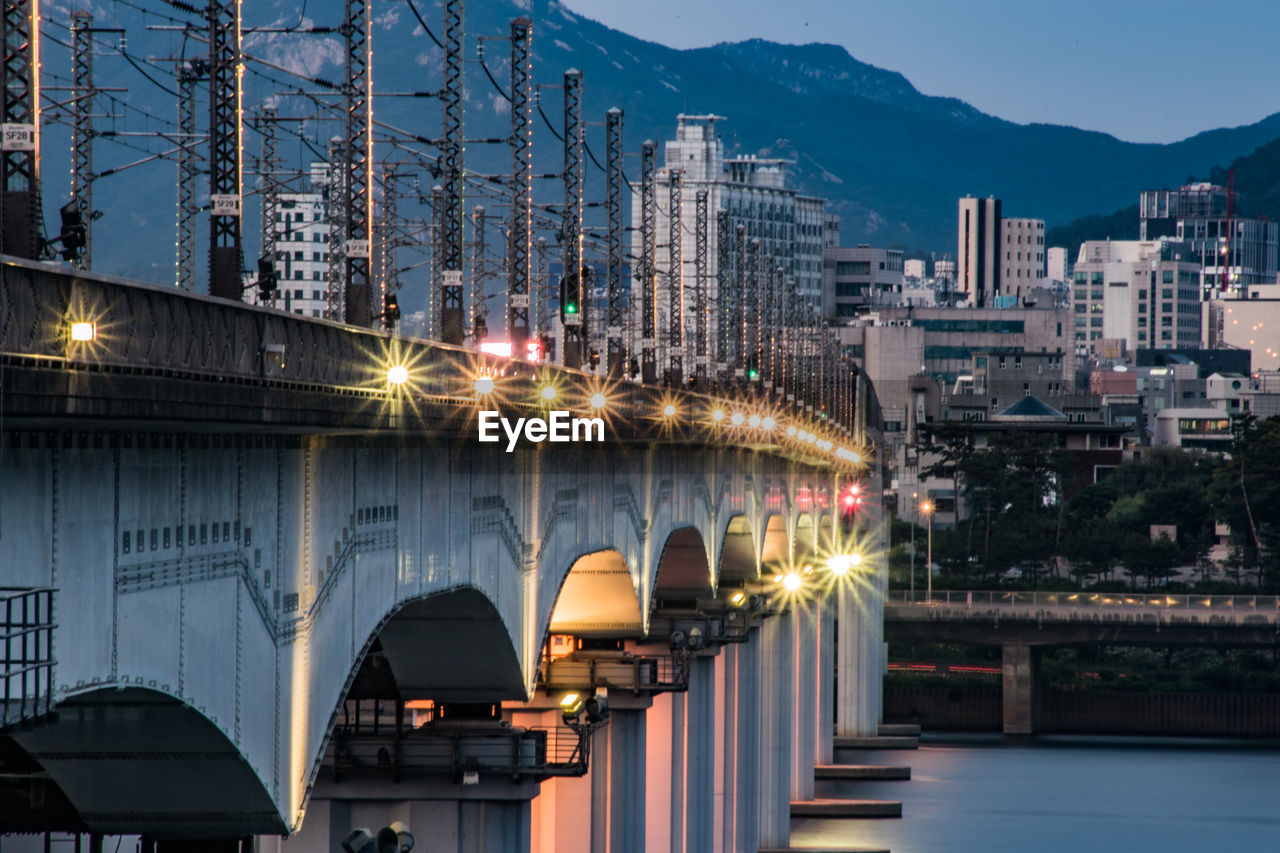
point(449, 646)
point(134, 760)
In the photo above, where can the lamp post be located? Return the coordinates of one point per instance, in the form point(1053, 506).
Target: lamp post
point(927, 508)
point(914, 496)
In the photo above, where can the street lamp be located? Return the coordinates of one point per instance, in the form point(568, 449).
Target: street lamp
point(914, 496)
point(927, 508)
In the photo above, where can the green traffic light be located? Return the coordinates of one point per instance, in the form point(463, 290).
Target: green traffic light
point(571, 308)
point(753, 374)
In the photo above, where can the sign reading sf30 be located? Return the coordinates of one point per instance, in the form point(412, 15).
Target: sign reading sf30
point(558, 426)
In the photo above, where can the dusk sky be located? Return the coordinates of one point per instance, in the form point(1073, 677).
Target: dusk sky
point(1143, 70)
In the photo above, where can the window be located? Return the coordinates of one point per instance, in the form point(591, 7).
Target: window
point(1166, 293)
point(844, 268)
point(1166, 277)
point(1142, 294)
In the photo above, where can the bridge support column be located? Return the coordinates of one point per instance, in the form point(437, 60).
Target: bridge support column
point(823, 749)
point(626, 780)
point(746, 825)
point(700, 757)
point(804, 641)
point(777, 722)
point(1021, 683)
point(858, 655)
point(493, 817)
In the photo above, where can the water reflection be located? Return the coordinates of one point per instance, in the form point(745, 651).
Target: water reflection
point(1065, 794)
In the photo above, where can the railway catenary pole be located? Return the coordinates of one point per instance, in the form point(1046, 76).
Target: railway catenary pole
point(225, 180)
point(357, 280)
point(519, 230)
point(388, 238)
point(82, 130)
point(616, 352)
point(478, 323)
point(675, 273)
point(20, 216)
point(189, 73)
point(724, 298)
point(702, 342)
point(740, 300)
point(574, 292)
point(449, 269)
point(649, 302)
point(337, 209)
point(269, 198)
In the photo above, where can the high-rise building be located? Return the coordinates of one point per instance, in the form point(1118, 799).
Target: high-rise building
point(1001, 260)
point(302, 247)
point(791, 229)
point(978, 261)
point(1023, 267)
point(1196, 214)
point(1144, 293)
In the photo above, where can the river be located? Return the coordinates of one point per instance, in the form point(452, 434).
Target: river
point(1065, 794)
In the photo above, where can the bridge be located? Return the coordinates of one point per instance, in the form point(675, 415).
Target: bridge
point(1023, 623)
point(263, 579)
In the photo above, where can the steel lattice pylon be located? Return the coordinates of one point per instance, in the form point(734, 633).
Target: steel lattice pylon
point(702, 344)
point(388, 237)
point(336, 209)
point(449, 268)
point(575, 324)
point(518, 241)
point(649, 301)
point(479, 325)
point(740, 299)
point(82, 129)
point(358, 196)
point(675, 273)
point(751, 328)
point(270, 187)
point(189, 73)
point(613, 209)
point(723, 301)
point(225, 180)
point(21, 229)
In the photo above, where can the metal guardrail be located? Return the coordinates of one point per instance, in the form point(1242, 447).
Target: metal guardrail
point(26, 654)
point(458, 749)
point(616, 671)
point(1087, 601)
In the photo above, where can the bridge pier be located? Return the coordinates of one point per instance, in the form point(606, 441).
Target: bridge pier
point(1020, 675)
point(492, 817)
point(778, 715)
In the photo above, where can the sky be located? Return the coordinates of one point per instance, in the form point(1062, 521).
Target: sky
point(1142, 70)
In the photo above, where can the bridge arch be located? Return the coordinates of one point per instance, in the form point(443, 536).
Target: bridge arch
point(138, 760)
point(683, 569)
point(598, 596)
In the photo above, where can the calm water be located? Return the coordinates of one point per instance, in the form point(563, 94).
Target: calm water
point(1067, 795)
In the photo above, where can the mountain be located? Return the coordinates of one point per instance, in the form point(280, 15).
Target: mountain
point(891, 159)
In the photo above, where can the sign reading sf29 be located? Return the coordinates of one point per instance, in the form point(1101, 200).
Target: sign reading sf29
point(558, 426)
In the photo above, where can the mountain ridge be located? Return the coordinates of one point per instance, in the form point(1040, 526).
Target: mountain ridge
point(891, 159)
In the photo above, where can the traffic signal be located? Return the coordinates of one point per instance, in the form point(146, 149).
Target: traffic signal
point(266, 279)
point(391, 309)
point(634, 367)
point(753, 366)
point(481, 330)
point(570, 299)
point(594, 359)
point(73, 234)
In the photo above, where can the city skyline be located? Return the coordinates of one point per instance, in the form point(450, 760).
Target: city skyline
point(1001, 59)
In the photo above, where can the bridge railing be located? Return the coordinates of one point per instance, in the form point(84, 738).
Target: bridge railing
point(1015, 599)
point(58, 320)
point(26, 654)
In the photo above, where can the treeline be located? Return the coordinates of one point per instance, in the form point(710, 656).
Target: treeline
point(1018, 527)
